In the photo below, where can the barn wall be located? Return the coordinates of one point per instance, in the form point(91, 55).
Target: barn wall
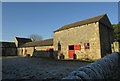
point(106, 37)
point(16, 42)
point(34, 51)
point(41, 54)
point(41, 51)
point(9, 51)
point(43, 47)
point(19, 52)
point(116, 47)
point(79, 35)
point(30, 50)
point(23, 52)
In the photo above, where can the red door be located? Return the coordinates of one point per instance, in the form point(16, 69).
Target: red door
point(71, 51)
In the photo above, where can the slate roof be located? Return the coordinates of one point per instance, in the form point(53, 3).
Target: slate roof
point(23, 40)
point(83, 22)
point(7, 44)
point(47, 42)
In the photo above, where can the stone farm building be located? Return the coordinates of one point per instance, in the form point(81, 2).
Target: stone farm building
point(86, 39)
point(37, 48)
point(8, 48)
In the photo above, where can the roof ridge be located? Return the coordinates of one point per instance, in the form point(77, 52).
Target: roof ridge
point(34, 43)
point(41, 40)
point(91, 18)
point(82, 22)
point(22, 38)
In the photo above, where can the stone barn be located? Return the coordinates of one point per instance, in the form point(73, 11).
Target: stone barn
point(8, 49)
point(42, 48)
point(20, 41)
point(89, 39)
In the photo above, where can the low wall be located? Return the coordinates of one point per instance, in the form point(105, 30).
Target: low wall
point(105, 69)
point(9, 51)
point(41, 54)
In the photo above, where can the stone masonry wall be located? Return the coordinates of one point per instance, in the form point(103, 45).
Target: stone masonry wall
point(9, 51)
point(105, 69)
point(106, 39)
point(88, 33)
point(33, 50)
point(25, 51)
point(43, 47)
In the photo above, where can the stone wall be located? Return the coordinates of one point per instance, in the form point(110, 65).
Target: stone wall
point(9, 51)
point(88, 33)
point(25, 51)
point(41, 54)
point(41, 51)
point(115, 47)
point(106, 39)
point(16, 42)
point(34, 51)
point(105, 69)
point(43, 47)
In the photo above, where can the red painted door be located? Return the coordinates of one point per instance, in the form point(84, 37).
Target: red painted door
point(71, 52)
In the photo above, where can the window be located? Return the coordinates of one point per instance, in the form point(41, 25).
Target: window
point(71, 47)
point(25, 51)
point(87, 45)
point(77, 47)
point(22, 51)
point(59, 46)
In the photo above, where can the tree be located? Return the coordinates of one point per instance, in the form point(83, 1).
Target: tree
point(35, 37)
point(117, 31)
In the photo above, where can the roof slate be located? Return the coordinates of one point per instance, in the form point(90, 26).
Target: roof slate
point(47, 42)
point(23, 40)
point(83, 22)
point(7, 44)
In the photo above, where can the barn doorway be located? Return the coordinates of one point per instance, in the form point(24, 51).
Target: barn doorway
point(71, 51)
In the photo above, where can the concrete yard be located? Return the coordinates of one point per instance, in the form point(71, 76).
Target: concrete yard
point(37, 68)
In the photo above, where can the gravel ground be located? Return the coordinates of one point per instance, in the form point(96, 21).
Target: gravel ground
point(37, 68)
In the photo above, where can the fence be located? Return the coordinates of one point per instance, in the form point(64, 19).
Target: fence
point(105, 69)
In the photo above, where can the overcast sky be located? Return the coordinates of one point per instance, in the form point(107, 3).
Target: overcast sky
point(25, 18)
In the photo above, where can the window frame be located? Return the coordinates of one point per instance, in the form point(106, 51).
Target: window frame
point(87, 45)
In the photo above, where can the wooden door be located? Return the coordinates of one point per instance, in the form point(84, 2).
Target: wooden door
point(71, 51)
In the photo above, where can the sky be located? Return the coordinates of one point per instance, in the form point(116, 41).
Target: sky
point(25, 18)
point(119, 12)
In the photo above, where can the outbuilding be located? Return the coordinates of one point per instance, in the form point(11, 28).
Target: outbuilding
point(8, 48)
point(42, 48)
point(89, 39)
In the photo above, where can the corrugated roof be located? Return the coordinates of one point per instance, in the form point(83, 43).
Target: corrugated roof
point(7, 44)
point(47, 42)
point(23, 40)
point(83, 22)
